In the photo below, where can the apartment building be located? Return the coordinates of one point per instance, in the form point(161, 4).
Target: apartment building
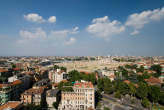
point(82, 97)
point(32, 96)
point(57, 75)
point(10, 91)
point(26, 80)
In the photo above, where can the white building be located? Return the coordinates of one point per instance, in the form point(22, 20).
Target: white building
point(57, 75)
point(107, 72)
point(82, 97)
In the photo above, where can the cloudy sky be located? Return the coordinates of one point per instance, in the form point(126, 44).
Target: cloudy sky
point(81, 27)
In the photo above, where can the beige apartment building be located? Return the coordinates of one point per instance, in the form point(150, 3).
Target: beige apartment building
point(82, 97)
point(32, 96)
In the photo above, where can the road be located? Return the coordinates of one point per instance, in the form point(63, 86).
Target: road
point(109, 99)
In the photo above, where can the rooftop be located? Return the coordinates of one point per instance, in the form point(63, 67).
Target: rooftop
point(153, 80)
point(3, 70)
point(34, 91)
point(52, 92)
point(16, 82)
point(83, 85)
point(11, 105)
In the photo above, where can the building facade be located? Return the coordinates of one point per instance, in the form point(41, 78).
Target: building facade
point(32, 96)
point(10, 91)
point(82, 97)
point(57, 75)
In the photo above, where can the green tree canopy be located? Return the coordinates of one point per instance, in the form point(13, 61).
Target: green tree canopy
point(157, 69)
point(145, 102)
point(154, 93)
point(142, 90)
point(55, 105)
point(56, 67)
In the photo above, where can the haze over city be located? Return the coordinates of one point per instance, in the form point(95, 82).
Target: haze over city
point(81, 27)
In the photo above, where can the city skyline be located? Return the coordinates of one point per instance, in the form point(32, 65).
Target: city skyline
point(81, 28)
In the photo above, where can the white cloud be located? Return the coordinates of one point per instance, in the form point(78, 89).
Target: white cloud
point(52, 19)
point(38, 33)
point(75, 30)
point(61, 34)
point(70, 41)
point(103, 27)
point(103, 19)
point(34, 17)
point(135, 32)
point(138, 20)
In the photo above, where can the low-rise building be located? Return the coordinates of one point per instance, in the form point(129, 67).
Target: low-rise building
point(33, 96)
point(81, 98)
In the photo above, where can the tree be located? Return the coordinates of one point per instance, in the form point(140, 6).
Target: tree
point(141, 78)
point(134, 66)
point(56, 67)
point(100, 84)
point(63, 68)
point(140, 69)
point(55, 105)
point(124, 73)
point(61, 84)
point(108, 86)
point(142, 90)
point(145, 102)
point(74, 75)
point(13, 66)
point(132, 89)
point(92, 78)
point(117, 94)
point(154, 93)
point(98, 97)
point(118, 75)
point(106, 108)
point(32, 107)
point(157, 69)
point(122, 87)
point(161, 101)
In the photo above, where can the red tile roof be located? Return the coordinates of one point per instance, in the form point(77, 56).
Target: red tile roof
point(83, 85)
point(16, 82)
point(3, 70)
point(34, 91)
point(127, 81)
point(153, 80)
point(85, 72)
point(13, 105)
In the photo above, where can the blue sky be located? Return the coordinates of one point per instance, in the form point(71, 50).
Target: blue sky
point(81, 27)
